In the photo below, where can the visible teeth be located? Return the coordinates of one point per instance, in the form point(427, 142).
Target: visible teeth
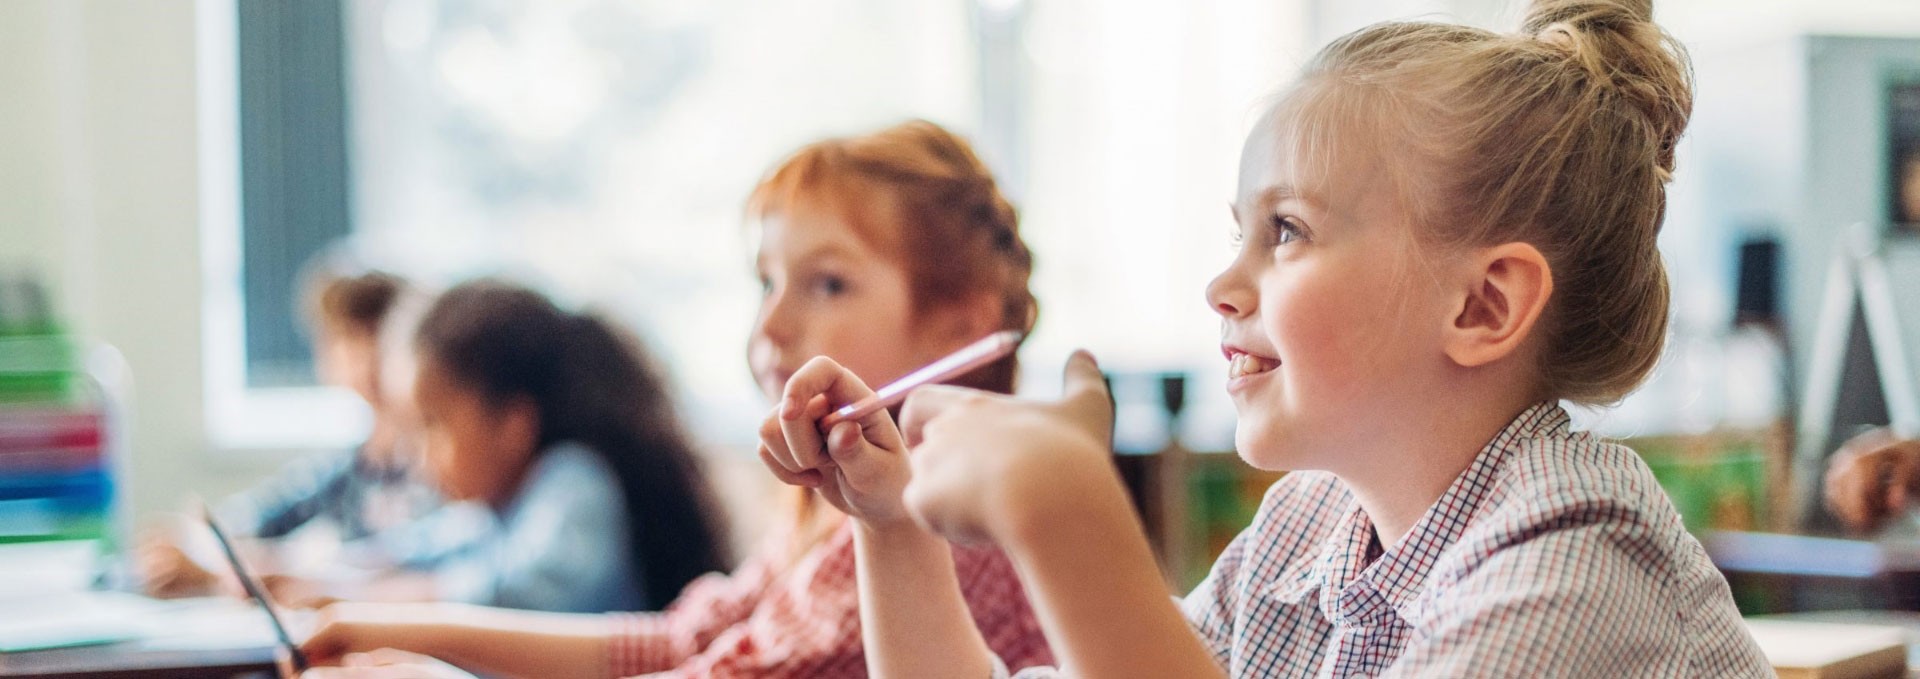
point(1245, 364)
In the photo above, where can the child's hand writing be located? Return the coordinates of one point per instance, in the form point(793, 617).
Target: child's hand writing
point(347, 628)
point(982, 463)
point(859, 466)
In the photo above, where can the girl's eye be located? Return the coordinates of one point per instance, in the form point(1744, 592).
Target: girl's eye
point(766, 286)
point(1285, 230)
point(830, 285)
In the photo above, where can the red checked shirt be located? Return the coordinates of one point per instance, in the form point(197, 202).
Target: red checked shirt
point(1555, 554)
point(805, 622)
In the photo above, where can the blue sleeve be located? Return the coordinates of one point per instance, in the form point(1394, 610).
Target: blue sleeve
point(561, 545)
point(297, 493)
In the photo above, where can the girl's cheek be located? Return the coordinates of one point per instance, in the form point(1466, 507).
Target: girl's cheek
point(1312, 326)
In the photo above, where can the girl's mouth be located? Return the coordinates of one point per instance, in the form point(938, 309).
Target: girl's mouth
point(1242, 365)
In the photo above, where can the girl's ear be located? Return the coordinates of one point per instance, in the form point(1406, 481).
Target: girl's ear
point(972, 318)
point(519, 427)
point(1506, 292)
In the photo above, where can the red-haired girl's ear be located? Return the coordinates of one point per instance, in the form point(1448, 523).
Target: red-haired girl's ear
point(973, 317)
point(1506, 293)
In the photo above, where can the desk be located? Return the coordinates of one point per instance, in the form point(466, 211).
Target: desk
point(1778, 573)
point(136, 660)
point(1906, 620)
point(184, 638)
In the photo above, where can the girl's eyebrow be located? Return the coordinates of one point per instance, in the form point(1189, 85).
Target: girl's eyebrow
point(826, 252)
point(1278, 193)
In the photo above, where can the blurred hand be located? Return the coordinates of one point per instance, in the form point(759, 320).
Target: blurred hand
point(296, 592)
point(347, 628)
point(166, 571)
point(859, 466)
point(387, 663)
point(1873, 477)
point(980, 460)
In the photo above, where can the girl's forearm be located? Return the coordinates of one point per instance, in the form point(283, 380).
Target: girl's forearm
point(1085, 562)
point(512, 643)
point(913, 618)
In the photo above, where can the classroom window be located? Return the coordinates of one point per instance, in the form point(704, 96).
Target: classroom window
point(602, 150)
point(275, 192)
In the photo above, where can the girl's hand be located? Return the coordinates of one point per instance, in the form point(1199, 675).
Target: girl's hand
point(984, 464)
point(293, 591)
point(1872, 477)
point(344, 629)
point(387, 663)
point(859, 466)
point(166, 572)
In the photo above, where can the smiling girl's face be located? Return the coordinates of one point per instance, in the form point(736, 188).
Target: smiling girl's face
point(1325, 326)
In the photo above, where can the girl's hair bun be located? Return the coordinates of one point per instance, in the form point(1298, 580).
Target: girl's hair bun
point(1616, 43)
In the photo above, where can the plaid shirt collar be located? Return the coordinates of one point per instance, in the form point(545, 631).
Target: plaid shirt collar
point(1361, 585)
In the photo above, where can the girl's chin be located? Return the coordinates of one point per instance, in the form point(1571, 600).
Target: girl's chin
point(1261, 445)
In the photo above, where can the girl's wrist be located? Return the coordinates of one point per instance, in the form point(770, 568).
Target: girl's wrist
point(894, 537)
point(900, 530)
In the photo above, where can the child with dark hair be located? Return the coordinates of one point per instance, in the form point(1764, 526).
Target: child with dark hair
point(564, 429)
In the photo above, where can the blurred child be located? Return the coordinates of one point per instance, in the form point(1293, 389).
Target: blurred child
point(358, 493)
point(1447, 231)
point(884, 251)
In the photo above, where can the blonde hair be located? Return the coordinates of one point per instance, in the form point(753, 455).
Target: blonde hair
point(920, 193)
point(1561, 136)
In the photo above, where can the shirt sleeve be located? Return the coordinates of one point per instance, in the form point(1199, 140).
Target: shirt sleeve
point(712, 603)
point(562, 547)
point(1210, 607)
point(804, 621)
point(1580, 594)
point(299, 492)
point(805, 624)
point(425, 542)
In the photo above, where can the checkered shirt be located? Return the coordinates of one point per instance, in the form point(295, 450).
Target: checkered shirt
point(804, 621)
point(1555, 554)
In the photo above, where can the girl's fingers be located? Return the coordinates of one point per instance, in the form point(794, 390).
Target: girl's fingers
point(805, 444)
point(929, 403)
point(1900, 479)
point(820, 377)
point(773, 443)
point(808, 478)
point(860, 461)
point(1084, 395)
point(816, 389)
point(1854, 488)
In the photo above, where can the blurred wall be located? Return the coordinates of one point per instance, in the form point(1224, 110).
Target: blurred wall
point(99, 193)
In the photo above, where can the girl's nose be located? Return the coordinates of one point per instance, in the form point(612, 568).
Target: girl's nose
point(776, 320)
point(1229, 295)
